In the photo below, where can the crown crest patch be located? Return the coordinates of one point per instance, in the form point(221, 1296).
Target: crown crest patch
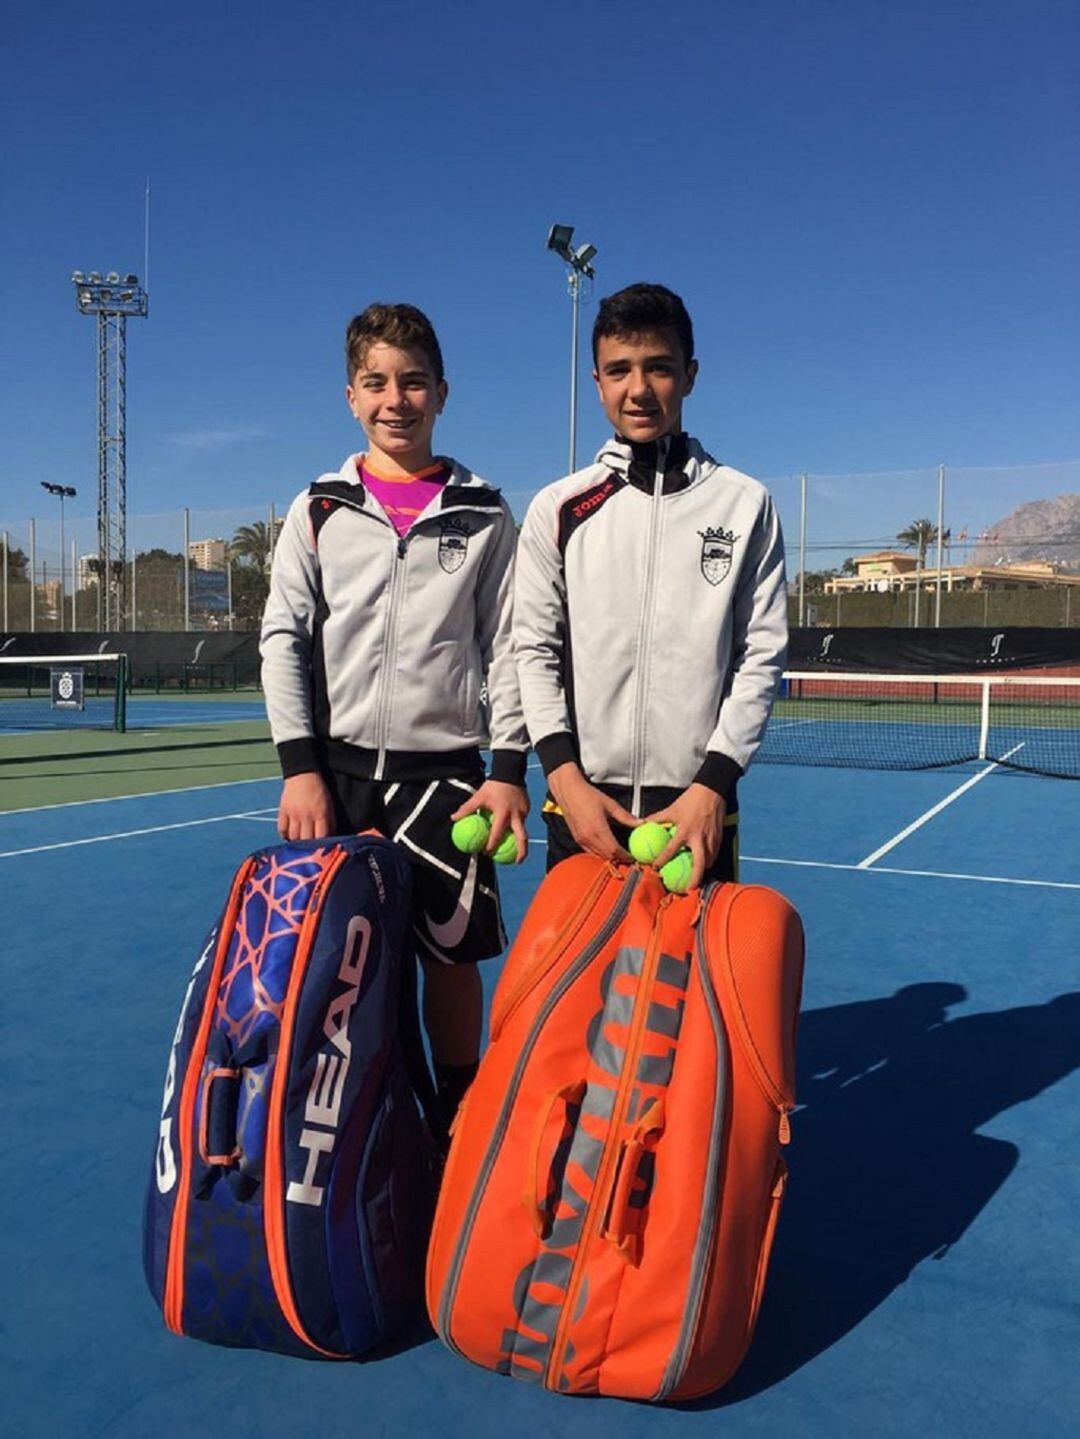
point(717, 547)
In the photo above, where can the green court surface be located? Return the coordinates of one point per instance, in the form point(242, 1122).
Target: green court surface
point(58, 767)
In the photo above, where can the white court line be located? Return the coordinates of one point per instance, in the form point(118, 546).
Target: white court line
point(153, 794)
point(266, 817)
point(930, 813)
point(917, 873)
point(149, 794)
point(124, 834)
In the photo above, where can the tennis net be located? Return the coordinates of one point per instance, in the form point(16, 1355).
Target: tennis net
point(49, 692)
point(1029, 722)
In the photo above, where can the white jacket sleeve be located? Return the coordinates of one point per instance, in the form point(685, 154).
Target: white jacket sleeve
point(540, 634)
point(494, 621)
point(286, 641)
point(758, 654)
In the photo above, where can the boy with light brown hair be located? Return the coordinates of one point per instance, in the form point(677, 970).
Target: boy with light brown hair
point(387, 666)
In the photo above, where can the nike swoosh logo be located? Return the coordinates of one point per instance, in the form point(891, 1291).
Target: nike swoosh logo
point(449, 935)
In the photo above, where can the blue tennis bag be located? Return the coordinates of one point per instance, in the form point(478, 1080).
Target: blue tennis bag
point(293, 1182)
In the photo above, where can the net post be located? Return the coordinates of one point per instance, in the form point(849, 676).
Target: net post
point(984, 721)
point(121, 693)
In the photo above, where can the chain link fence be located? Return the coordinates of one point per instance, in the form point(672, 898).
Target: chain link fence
point(862, 549)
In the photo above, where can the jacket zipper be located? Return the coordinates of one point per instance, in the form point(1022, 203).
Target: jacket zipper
point(502, 1009)
point(648, 601)
point(174, 1270)
point(579, 965)
point(389, 665)
point(710, 1209)
point(383, 703)
point(598, 1201)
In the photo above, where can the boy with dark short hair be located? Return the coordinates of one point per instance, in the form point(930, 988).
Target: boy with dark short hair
point(388, 620)
point(650, 611)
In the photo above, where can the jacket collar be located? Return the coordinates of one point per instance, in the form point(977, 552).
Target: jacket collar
point(462, 488)
point(678, 458)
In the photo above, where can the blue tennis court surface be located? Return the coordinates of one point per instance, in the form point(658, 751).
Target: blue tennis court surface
point(925, 1275)
point(31, 716)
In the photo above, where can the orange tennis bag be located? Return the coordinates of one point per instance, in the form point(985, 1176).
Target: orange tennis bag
point(615, 1174)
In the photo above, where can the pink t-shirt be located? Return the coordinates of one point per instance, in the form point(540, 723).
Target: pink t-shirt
point(403, 497)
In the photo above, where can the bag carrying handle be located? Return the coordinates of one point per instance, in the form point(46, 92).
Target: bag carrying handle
point(617, 1227)
point(223, 1110)
point(569, 1095)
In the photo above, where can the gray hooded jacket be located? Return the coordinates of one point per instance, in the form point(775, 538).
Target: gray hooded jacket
point(376, 650)
point(650, 617)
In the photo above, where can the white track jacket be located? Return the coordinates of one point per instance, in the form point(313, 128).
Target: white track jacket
point(376, 650)
point(650, 617)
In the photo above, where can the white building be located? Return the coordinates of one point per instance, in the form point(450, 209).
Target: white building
point(208, 554)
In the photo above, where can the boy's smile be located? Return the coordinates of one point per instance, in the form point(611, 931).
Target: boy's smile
point(395, 396)
point(643, 380)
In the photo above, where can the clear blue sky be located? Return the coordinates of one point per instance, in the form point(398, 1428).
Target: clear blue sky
point(871, 209)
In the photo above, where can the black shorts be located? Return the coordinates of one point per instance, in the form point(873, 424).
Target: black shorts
point(562, 844)
point(456, 917)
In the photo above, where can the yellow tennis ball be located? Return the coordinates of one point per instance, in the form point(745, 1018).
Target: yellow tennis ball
point(506, 851)
point(676, 873)
point(649, 840)
point(471, 833)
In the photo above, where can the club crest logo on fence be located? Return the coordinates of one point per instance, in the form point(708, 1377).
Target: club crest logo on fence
point(453, 544)
point(716, 552)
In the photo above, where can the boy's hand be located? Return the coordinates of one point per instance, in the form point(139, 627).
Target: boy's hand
point(698, 817)
point(589, 812)
point(508, 804)
point(306, 810)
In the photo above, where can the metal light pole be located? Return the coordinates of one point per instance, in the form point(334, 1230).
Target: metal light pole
point(940, 543)
point(802, 552)
point(579, 264)
point(63, 492)
point(112, 299)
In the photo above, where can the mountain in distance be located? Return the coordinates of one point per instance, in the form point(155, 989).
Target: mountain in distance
point(1039, 530)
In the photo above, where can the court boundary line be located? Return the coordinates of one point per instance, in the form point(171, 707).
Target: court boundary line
point(128, 834)
point(917, 873)
point(146, 794)
point(156, 794)
point(936, 809)
point(267, 815)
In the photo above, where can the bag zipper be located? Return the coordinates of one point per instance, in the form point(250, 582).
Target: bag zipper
point(579, 965)
point(273, 1183)
point(703, 1245)
point(598, 1201)
point(503, 1009)
point(757, 1068)
point(173, 1299)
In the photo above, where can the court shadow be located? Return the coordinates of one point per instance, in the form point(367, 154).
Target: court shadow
point(887, 1167)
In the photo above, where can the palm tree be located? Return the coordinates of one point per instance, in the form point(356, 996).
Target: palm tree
point(251, 544)
point(919, 536)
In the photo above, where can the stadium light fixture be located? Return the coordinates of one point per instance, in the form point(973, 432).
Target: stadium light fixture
point(62, 492)
point(578, 263)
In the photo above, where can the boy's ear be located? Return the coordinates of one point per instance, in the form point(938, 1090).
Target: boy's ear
point(691, 376)
point(350, 397)
point(442, 390)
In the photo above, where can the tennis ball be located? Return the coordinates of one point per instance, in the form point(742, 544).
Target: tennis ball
point(471, 833)
point(505, 852)
point(676, 873)
point(649, 841)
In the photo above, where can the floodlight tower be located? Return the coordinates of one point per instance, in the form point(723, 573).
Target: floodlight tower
point(112, 299)
point(579, 263)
